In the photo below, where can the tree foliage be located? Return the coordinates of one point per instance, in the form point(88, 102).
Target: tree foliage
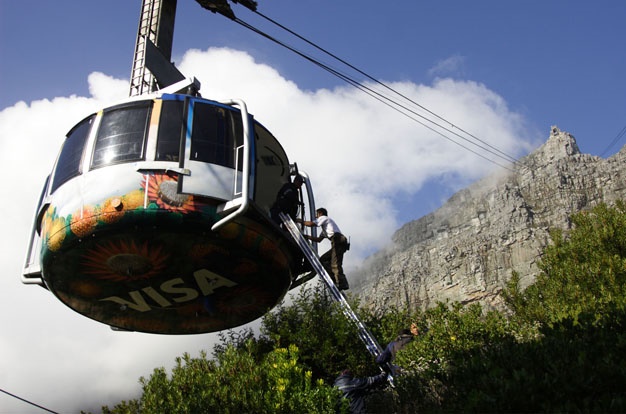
point(561, 348)
point(234, 382)
point(583, 274)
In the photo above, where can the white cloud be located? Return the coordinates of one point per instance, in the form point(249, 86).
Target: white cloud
point(360, 156)
point(451, 66)
point(359, 153)
point(105, 88)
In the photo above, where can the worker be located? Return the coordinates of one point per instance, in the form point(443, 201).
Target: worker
point(332, 260)
point(355, 389)
point(287, 200)
point(404, 337)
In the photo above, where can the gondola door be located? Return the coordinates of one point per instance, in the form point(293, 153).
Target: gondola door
point(216, 157)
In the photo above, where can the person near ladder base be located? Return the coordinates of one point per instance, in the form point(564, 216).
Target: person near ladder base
point(332, 259)
point(389, 354)
point(356, 389)
point(404, 337)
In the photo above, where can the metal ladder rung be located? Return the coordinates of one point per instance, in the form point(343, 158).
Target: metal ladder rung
point(364, 334)
point(140, 79)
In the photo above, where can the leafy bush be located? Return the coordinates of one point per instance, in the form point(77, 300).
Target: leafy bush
point(561, 348)
point(234, 383)
point(327, 340)
point(583, 276)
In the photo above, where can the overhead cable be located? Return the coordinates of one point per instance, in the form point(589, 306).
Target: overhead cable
point(615, 140)
point(381, 97)
point(29, 402)
point(511, 159)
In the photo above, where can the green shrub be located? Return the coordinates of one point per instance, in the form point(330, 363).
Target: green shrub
point(561, 348)
point(234, 383)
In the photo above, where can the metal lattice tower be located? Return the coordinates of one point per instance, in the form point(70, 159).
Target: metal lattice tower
point(156, 23)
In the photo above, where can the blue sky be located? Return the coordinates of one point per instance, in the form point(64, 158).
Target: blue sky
point(556, 62)
point(505, 71)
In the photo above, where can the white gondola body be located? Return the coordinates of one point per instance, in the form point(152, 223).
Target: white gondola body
point(155, 218)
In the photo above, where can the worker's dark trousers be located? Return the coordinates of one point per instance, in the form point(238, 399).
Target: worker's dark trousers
point(332, 260)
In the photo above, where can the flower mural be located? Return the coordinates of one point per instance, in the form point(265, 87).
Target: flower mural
point(122, 260)
point(112, 210)
point(163, 190)
point(83, 222)
point(141, 256)
point(56, 234)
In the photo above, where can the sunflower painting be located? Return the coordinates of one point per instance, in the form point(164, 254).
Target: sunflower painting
point(53, 230)
point(163, 190)
point(125, 260)
point(136, 257)
point(84, 221)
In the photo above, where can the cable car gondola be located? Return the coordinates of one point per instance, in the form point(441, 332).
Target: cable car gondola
point(155, 217)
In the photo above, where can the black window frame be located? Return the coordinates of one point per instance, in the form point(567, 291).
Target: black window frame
point(168, 145)
point(219, 144)
point(72, 153)
point(139, 154)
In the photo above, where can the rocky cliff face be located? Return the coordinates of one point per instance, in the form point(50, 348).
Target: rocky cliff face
point(466, 250)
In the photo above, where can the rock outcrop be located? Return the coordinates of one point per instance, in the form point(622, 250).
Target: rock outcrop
point(467, 250)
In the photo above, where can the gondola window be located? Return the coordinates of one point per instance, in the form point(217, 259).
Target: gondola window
point(68, 164)
point(170, 127)
point(217, 132)
point(121, 136)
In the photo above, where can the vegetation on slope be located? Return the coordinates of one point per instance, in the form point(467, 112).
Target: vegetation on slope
point(561, 348)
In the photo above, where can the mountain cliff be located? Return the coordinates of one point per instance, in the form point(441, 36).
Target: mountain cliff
point(467, 250)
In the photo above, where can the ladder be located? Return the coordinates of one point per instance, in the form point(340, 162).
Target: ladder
point(156, 25)
point(364, 334)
